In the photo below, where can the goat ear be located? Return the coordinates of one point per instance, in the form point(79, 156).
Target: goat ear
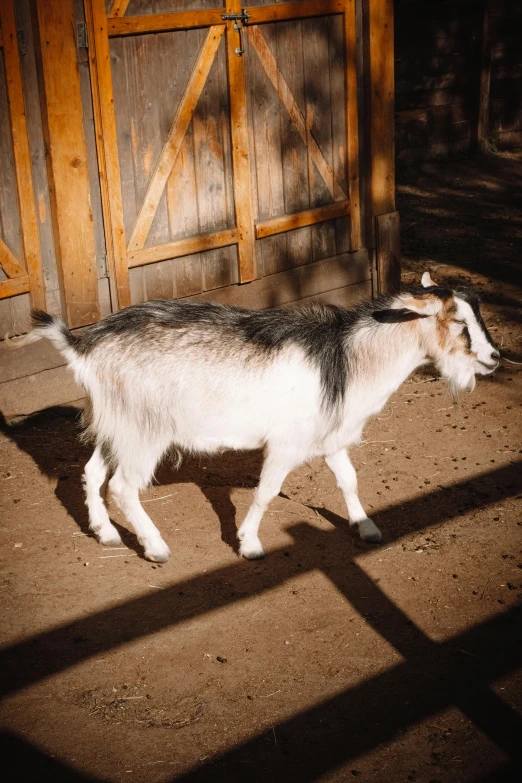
point(396, 315)
point(425, 304)
point(426, 281)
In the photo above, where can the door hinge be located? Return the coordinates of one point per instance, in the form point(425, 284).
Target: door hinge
point(82, 41)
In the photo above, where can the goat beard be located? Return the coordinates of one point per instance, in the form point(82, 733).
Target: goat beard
point(461, 382)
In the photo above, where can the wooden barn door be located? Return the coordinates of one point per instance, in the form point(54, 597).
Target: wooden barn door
point(20, 258)
point(226, 149)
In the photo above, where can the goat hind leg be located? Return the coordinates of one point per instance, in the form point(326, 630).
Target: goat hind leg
point(95, 475)
point(344, 472)
point(127, 497)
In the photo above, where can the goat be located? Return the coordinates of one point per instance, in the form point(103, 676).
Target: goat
point(301, 383)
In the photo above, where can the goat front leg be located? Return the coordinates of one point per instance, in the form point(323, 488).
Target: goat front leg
point(343, 470)
point(275, 469)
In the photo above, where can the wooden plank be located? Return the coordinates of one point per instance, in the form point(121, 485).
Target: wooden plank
point(9, 262)
point(100, 248)
point(181, 184)
point(33, 113)
point(348, 296)
point(172, 145)
point(389, 252)
point(10, 224)
point(22, 157)
point(107, 145)
point(118, 8)
point(74, 236)
point(156, 23)
point(267, 59)
point(338, 84)
point(183, 247)
point(14, 286)
point(289, 47)
point(381, 108)
point(286, 11)
point(296, 284)
point(352, 125)
point(265, 139)
point(240, 152)
point(318, 116)
point(308, 217)
point(209, 161)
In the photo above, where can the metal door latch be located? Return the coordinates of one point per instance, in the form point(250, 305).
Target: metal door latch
point(243, 17)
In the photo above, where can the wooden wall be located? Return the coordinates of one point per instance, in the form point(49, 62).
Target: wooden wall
point(14, 311)
point(304, 156)
point(452, 61)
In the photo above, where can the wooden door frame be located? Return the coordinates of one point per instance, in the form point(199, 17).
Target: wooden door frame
point(23, 276)
point(122, 256)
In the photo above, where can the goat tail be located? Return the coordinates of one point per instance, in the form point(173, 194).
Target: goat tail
point(53, 328)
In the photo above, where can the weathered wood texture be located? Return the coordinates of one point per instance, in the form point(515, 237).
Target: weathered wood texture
point(235, 143)
point(20, 257)
point(24, 23)
point(67, 169)
point(458, 76)
point(296, 83)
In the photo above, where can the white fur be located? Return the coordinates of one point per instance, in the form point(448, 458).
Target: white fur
point(144, 404)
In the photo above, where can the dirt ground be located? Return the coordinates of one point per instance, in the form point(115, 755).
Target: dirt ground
point(330, 659)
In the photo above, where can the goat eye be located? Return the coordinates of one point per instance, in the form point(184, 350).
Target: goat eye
point(459, 322)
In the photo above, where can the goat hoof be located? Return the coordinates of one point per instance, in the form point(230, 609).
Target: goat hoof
point(109, 537)
point(158, 553)
point(369, 531)
point(251, 550)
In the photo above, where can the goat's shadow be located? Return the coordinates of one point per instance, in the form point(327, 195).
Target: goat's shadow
point(51, 438)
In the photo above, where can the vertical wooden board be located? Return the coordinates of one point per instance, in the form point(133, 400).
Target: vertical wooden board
point(181, 185)
point(136, 284)
point(189, 278)
point(340, 106)
point(104, 296)
point(381, 105)
point(149, 140)
point(121, 52)
point(388, 252)
point(267, 155)
point(21, 313)
point(107, 149)
point(218, 267)
point(210, 170)
point(241, 154)
point(159, 280)
point(319, 124)
point(68, 161)
point(22, 157)
point(288, 41)
point(9, 213)
point(90, 142)
point(37, 150)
